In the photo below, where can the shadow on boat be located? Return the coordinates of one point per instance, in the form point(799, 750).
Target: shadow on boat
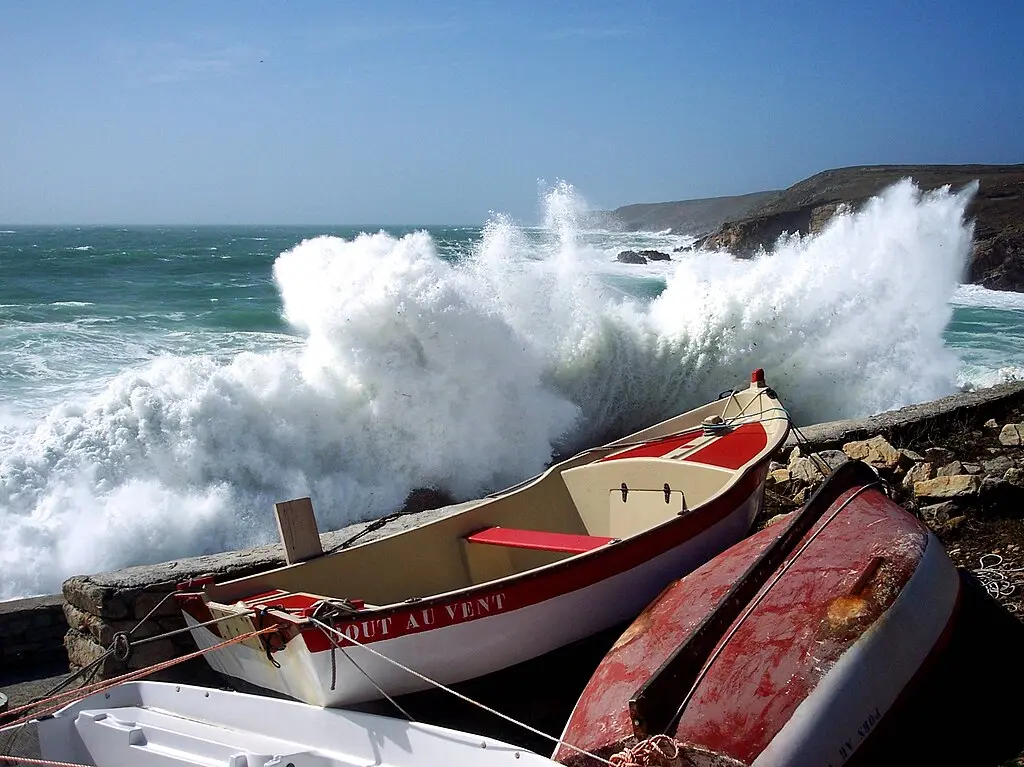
point(968, 709)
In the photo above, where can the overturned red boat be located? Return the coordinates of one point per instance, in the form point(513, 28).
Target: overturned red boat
point(787, 649)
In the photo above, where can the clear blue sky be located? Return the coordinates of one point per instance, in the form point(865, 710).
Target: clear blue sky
point(417, 112)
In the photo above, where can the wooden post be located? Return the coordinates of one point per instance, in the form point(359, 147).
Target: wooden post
point(297, 527)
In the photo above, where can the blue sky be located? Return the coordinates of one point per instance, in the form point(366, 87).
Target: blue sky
point(416, 112)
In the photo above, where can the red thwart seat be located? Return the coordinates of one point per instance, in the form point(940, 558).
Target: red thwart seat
point(535, 539)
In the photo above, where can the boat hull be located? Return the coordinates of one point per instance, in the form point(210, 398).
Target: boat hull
point(155, 724)
point(576, 599)
point(803, 669)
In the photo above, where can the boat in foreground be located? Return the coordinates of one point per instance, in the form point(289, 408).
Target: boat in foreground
point(788, 649)
point(157, 724)
point(576, 550)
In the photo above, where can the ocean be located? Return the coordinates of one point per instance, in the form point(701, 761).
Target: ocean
point(164, 386)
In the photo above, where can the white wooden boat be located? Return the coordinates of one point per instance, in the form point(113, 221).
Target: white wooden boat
point(157, 724)
point(577, 549)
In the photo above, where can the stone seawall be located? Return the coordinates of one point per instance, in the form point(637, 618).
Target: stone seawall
point(31, 630)
point(915, 421)
point(98, 606)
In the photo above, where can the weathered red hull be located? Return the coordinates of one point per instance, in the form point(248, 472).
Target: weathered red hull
point(789, 648)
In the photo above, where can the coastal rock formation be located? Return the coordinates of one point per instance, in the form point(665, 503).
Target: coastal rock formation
point(630, 257)
point(997, 261)
point(641, 256)
point(694, 217)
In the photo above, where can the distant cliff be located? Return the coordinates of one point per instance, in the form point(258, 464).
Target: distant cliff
point(997, 260)
point(696, 217)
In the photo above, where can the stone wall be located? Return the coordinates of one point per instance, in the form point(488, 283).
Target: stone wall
point(914, 422)
point(31, 630)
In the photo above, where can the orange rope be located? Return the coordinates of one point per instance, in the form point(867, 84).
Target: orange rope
point(131, 676)
point(657, 751)
point(28, 760)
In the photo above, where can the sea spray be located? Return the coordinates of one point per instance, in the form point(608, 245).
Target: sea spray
point(412, 369)
point(847, 322)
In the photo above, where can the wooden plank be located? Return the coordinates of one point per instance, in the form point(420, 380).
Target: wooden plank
point(297, 527)
point(539, 540)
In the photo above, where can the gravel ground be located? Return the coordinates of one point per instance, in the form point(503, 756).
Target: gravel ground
point(21, 687)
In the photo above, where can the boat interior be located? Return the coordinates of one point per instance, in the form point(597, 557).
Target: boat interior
point(575, 507)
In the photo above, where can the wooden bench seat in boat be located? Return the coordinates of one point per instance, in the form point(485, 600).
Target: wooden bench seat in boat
point(537, 540)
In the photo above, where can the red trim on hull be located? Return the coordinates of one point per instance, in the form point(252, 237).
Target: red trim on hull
point(537, 586)
point(528, 588)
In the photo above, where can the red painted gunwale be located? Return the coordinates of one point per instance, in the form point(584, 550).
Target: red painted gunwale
point(777, 654)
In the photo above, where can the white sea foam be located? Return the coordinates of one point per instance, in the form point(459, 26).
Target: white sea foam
point(414, 372)
point(972, 377)
point(976, 295)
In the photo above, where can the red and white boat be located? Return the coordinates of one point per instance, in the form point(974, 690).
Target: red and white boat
point(788, 649)
point(576, 550)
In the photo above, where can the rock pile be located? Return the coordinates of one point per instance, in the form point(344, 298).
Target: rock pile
point(941, 486)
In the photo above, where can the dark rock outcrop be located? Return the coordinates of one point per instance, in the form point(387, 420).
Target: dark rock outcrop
point(630, 257)
point(641, 257)
point(997, 209)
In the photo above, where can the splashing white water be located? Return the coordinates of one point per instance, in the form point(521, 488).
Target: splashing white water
point(415, 372)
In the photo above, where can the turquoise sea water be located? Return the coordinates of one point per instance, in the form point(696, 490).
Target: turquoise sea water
point(164, 386)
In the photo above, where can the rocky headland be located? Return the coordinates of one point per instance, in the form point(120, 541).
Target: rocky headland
point(753, 223)
point(686, 216)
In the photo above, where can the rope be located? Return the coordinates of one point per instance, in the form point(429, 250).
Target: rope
point(120, 642)
point(120, 647)
point(131, 676)
point(656, 751)
point(335, 645)
point(28, 760)
point(1000, 582)
point(346, 638)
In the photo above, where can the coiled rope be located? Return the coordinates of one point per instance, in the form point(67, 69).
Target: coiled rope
point(999, 581)
point(656, 751)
